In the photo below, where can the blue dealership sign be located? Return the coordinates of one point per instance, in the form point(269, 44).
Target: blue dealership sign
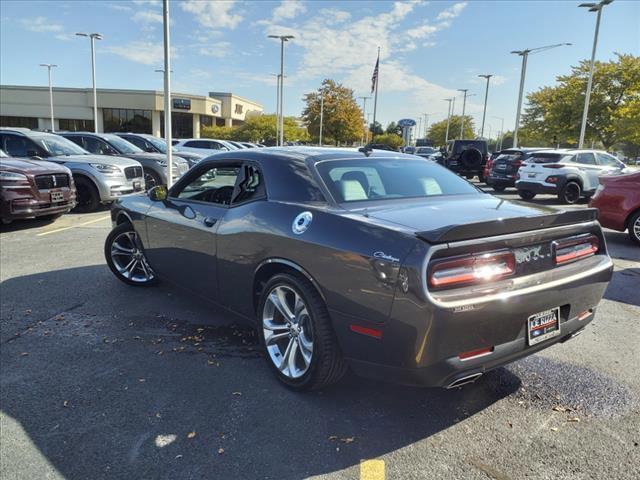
point(406, 122)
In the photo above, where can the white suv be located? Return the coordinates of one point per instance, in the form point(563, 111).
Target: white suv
point(569, 174)
point(205, 146)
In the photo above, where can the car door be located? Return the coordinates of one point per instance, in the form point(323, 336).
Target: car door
point(609, 164)
point(181, 230)
point(591, 170)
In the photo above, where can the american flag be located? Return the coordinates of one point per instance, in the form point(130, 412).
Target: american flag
point(374, 77)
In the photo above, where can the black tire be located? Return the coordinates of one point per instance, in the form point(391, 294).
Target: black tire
point(481, 178)
point(88, 196)
point(499, 188)
point(327, 365)
point(471, 158)
point(633, 227)
point(113, 235)
point(526, 194)
point(570, 193)
point(151, 179)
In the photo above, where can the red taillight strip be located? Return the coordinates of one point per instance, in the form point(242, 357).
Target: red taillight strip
point(575, 248)
point(481, 352)
point(472, 269)
point(370, 332)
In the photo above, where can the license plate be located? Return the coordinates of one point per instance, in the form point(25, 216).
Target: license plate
point(137, 185)
point(57, 197)
point(532, 175)
point(501, 167)
point(543, 326)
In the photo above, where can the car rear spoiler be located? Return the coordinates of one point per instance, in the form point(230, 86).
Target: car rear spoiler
point(470, 231)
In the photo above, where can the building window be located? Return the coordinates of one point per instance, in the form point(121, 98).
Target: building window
point(126, 120)
point(238, 108)
point(205, 121)
point(181, 125)
point(24, 122)
point(71, 125)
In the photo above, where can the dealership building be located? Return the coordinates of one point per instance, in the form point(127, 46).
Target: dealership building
point(138, 111)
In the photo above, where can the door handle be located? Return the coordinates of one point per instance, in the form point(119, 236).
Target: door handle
point(209, 221)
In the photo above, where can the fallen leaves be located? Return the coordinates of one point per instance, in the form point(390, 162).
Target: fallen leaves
point(554, 429)
point(220, 451)
point(191, 435)
point(24, 354)
point(345, 440)
point(236, 393)
point(573, 419)
point(65, 404)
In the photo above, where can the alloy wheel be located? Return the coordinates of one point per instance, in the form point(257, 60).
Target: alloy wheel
point(572, 193)
point(149, 181)
point(288, 331)
point(129, 259)
point(636, 228)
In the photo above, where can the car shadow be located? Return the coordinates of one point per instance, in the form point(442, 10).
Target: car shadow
point(111, 381)
point(623, 286)
point(17, 225)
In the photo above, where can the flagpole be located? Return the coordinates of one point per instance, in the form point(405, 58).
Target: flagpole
point(375, 99)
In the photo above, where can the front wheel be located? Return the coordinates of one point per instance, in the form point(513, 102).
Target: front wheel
point(151, 179)
point(634, 227)
point(570, 193)
point(526, 194)
point(125, 257)
point(296, 334)
point(88, 196)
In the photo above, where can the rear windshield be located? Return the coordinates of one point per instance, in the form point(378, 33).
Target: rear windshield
point(121, 145)
point(387, 179)
point(549, 157)
point(426, 150)
point(462, 145)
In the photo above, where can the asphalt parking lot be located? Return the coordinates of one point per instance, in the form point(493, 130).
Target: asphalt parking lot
point(102, 380)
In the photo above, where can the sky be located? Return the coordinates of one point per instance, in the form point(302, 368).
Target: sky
point(429, 49)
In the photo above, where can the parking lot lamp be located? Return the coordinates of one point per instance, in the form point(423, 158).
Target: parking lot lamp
point(501, 133)
point(49, 67)
point(593, 7)
point(283, 39)
point(446, 135)
point(484, 110)
point(321, 117)
point(167, 92)
point(93, 37)
point(525, 55)
point(464, 105)
point(364, 116)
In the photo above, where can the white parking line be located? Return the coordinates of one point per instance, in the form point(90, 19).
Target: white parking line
point(95, 220)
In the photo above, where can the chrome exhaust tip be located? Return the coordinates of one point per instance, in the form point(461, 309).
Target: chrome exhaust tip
point(464, 380)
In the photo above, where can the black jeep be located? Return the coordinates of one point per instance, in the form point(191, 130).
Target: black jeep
point(467, 157)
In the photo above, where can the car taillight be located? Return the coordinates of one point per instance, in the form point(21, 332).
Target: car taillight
point(471, 269)
point(575, 248)
point(489, 164)
point(517, 163)
point(553, 165)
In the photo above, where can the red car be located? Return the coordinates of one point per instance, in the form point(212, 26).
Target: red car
point(618, 202)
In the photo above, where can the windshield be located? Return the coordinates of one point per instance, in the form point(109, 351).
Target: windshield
point(3, 155)
point(121, 145)
point(386, 179)
point(58, 146)
point(426, 150)
point(159, 144)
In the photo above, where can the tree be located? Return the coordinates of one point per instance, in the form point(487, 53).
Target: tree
point(342, 118)
point(376, 129)
point(259, 128)
point(614, 105)
point(393, 128)
point(391, 139)
point(437, 130)
point(214, 131)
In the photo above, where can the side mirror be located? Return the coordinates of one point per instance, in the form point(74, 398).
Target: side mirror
point(158, 193)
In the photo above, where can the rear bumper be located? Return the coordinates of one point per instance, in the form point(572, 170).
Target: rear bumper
point(500, 180)
point(536, 187)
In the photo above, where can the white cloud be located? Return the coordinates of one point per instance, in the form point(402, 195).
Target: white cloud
point(147, 53)
point(119, 7)
point(213, 14)
point(288, 9)
point(422, 31)
point(452, 12)
point(154, 3)
point(41, 24)
point(147, 16)
point(218, 50)
point(334, 16)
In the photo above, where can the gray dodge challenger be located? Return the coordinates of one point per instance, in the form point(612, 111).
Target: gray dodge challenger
point(385, 263)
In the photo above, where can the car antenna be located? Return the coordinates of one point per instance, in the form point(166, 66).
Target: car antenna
point(366, 150)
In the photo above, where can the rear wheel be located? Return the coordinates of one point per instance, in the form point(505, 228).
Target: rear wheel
point(296, 333)
point(499, 188)
point(570, 193)
point(151, 179)
point(634, 227)
point(125, 257)
point(526, 194)
point(481, 178)
point(88, 196)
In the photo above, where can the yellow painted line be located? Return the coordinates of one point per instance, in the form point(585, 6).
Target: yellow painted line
point(372, 470)
point(95, 220)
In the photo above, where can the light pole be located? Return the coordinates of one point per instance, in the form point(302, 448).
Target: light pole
point(321, 117)
point(501, 132)
point(525, 55)
point(464, 105)
point(593, 7)
point(364, 114)
point(277, 75)
point(49, 67)
point(93, 37)
point(484, 111)
point(283, 39)
point(167, 92)
point(449, 112)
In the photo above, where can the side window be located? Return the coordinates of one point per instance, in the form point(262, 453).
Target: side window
point(214, 185)
point(586, 159)
point(197, 144)
point(96, 146)
point(608, 160)
point(138, 142)
point(16, 146)
point(250, 185)
point(78, 141)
